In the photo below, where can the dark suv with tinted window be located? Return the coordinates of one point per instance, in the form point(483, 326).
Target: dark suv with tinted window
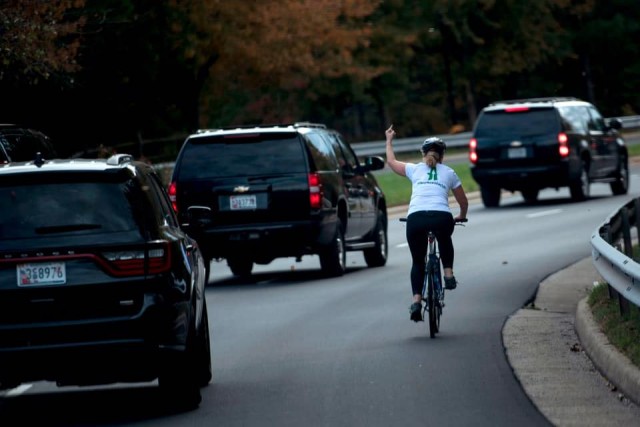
point(530, 144)
point(253, 194)
point(98, 283)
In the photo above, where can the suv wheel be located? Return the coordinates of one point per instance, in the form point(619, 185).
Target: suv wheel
point(530, 195)
point(179, 382)
point(579, 188)
point(240, 267)
point(333, 258)
point(621, 184)
point(490, 196)
point(203, 351)
point(377, 256)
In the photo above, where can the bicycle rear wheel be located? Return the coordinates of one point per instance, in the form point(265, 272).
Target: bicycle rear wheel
point(433, 307)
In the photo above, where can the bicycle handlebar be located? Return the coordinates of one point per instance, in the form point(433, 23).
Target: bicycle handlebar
point(457, 221)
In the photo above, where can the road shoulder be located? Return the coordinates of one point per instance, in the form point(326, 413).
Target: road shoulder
point(546, 355)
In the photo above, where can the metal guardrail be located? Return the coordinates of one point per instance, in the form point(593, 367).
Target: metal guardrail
point(403, 145)
point(612, 253)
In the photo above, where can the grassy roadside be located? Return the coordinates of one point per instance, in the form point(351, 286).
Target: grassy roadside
point(623, 332)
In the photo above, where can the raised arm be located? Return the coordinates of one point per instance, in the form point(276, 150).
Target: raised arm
point(395, 165)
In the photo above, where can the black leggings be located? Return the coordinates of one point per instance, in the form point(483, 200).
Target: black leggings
point(418, 225)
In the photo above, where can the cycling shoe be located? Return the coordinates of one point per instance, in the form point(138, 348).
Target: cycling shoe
point(416, 312)
point(450, 283)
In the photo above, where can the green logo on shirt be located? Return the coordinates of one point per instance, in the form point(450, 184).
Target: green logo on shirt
point(433, 175)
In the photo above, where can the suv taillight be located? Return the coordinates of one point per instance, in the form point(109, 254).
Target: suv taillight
point(563, 148)
point(473, 154)
point(315, 191)
point(155, 259)
point(173, 190)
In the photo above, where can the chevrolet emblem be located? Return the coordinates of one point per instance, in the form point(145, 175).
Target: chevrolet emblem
point(241, 189)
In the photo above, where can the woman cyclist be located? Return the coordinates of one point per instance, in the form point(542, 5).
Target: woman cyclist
point(429, 211)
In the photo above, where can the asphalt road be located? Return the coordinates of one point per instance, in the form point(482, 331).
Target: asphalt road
point(291, 347)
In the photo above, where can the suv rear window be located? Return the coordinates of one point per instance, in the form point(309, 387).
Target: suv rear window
point(536, 121)
point(243, 155)
point(44, 209)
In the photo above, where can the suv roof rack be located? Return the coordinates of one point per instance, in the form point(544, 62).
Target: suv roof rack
point(265, 126)
point(309, 125)
point(118, 159)
point(547, 99)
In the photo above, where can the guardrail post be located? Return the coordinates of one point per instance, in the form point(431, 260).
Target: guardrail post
point(636, 204)
point(626, 232)
point(608, 238)
point(628, 251)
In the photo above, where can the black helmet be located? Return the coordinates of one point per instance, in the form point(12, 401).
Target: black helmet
point(433, 144)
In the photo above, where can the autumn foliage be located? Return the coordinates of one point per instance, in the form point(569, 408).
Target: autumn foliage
point(39, 38)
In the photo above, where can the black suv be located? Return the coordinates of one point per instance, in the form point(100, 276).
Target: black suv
point(530, 144)
point(20, 144)
point(253, 194)
point(98, 283)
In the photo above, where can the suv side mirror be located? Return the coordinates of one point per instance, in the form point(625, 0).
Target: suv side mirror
point(615, 124)
point(374, 163)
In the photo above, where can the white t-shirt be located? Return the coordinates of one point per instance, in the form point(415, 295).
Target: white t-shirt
point(430, 187)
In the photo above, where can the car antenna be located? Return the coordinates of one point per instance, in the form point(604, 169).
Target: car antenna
point(39, 161)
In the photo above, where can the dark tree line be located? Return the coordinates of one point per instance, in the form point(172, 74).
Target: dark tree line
point(91, 72)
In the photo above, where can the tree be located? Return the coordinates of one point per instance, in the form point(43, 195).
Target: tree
point(266, 53)
point(39, 39)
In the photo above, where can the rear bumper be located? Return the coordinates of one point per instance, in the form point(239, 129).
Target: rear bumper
point(96, 350)
point(530, 177)
point(266, 241)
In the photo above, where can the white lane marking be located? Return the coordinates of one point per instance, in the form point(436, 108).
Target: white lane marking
point(18, 390)
point(402, 245)
point(544, 213)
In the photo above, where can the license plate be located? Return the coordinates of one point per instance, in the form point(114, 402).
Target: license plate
point(242, 202)
point(517, 153)
point(42, 273)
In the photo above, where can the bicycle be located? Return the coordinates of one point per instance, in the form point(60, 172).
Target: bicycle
point(434, 298)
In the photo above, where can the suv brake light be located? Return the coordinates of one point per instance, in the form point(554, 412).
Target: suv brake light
point(315, 191)
point(563, 140)
point(155, 259)
point(173, 190)
point(473, 154)
point(516, 109)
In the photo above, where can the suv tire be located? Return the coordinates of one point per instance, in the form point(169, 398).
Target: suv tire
point(240, 267)
point(621, 184)
point(333, 259)
point(377, 256)
point(579, 187)
point(204, 371)
point(490, 196)
point(530, 195)
point(179, 382)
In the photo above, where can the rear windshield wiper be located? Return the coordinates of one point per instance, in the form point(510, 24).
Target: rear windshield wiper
point(66, 228)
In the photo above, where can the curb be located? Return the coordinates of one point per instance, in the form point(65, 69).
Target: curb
point(614, 365)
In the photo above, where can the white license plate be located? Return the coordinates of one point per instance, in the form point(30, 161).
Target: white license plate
point(517, 153)
point(41, 273)
point(242, 202)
